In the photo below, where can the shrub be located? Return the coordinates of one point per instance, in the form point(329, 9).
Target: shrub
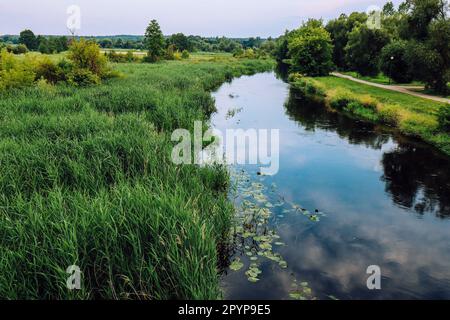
point(444, 118)
point(185, 54)
point(14, 73)
point(20, 49)
point(340, 98)
point(48, 70)
point(177, 55)
point(389, 113)
point(64, 68)
point(86, 55)
point(113, 56)
point(170, 52)
point(82, 78)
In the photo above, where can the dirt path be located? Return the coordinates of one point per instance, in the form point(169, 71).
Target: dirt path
point(402, 89)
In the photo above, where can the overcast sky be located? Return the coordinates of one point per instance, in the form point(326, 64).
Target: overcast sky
point(234, 18)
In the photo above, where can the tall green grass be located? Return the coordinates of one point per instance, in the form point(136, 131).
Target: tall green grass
point(86, 179)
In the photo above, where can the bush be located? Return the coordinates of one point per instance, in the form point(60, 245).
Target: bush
point(389, 113)
point(170, 52)
point(47, 70)
point(14, 73)
point(185, 54)
point(64, 68)
point(20, 49)
point(177, 55)
point(306, 86)
point(86, 55)
point(444, 118)
point(113, 56)
point(82, 78)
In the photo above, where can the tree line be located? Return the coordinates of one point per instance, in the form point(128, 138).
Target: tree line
point(28, 41)
point(411, 43)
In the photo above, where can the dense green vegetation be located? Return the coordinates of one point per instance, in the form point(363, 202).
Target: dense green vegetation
point(411, 42)
point(413, 116)
point(51, 44)
point(86, 178)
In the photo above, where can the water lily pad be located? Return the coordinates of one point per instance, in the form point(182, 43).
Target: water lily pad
point(296, 296)
point(236, 265)
point(265, 246)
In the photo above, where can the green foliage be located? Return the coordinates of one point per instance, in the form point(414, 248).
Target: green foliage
point(281, 50)
point(180, 42)
point(247, 54)
point(154, 42)
point(307, 87)
point(19, 49)
point(444, 118)
point(311, 50)
point(82, 78)
point(86, 55)
point(118, 57)
point(185, 54)
point(422, 118)
point(170, 52)
point(14, 74)
point(339, 30)
point(394, 62)
point(87, 179)
point(48, 70)
point(28, 39)
point(363, 49)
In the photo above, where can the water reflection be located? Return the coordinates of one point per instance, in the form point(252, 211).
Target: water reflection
point(415, 174)
point(386, 200)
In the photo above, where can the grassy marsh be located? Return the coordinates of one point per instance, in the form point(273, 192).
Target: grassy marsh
point(86, 179)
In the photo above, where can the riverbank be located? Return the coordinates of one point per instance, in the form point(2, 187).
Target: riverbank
point(413, 116)
point(86, 179)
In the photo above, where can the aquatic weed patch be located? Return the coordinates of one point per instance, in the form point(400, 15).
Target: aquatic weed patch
point(254, 237)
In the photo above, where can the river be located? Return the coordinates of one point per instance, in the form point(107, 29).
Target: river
point(348, 195)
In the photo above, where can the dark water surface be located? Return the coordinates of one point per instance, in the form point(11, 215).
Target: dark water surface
point(385, 199)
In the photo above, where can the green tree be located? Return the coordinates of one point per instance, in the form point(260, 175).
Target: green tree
point(427, 28)
point(420, 13)
point(28, 38)
point(311, 50)
point(154, 42)
point(339, 30)
point(180, 41)
point(86, 55)
point(281, 50)
point(44, 45)
point(389, 9)
point(394, 61)
point(363, 49)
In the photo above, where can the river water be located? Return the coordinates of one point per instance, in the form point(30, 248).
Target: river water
point(348, 195)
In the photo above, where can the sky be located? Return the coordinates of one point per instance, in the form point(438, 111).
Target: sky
point(231, 18)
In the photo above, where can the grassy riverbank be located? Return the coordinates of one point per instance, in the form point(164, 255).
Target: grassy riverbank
point(411, 115)
point(86, 179)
